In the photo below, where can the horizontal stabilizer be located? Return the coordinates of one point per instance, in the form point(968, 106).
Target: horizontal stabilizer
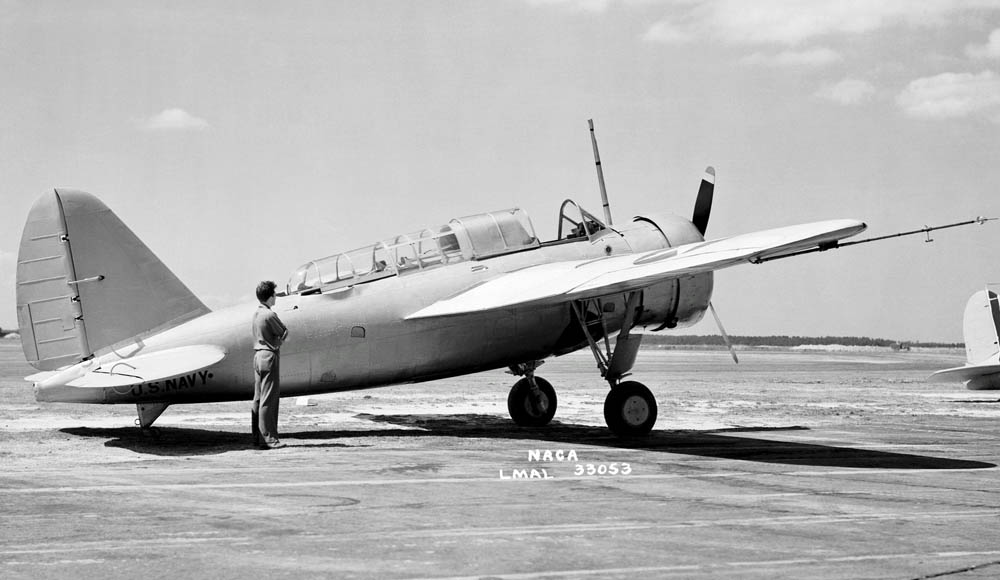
point(962, 374)
point(559, 282)
point(120, 372)
point(40, 377)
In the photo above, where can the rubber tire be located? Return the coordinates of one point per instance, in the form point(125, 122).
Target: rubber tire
point(630, 410)
point(519, 403)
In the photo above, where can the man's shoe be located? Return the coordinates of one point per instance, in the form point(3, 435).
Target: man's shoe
point(275, 445)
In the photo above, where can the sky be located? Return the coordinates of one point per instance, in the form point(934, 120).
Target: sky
point(240, 139)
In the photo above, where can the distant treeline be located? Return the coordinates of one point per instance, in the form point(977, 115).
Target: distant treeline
point(787, 341)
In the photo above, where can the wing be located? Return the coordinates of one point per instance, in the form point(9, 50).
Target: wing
point(561, 281)
point(155, 366)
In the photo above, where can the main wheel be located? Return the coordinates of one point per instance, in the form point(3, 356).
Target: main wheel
point(630, 409)
point(528, 411)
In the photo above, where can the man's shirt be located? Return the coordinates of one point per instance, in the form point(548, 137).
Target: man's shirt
point(268, 330)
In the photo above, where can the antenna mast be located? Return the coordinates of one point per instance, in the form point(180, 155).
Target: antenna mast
point(600, 174)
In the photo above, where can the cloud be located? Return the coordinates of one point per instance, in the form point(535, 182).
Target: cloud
point(580, 5)
point(952, 95)
point(847, 92)
point(989, 50)
point(791, 58)
point(174, 120)
point(794, 22)
point(666, 32)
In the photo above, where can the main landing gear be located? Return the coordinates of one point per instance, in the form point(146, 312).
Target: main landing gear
point(630, 407)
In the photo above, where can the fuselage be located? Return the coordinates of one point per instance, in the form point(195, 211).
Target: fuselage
point(356, 336)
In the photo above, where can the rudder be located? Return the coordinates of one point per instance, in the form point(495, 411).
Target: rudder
point(86, 283)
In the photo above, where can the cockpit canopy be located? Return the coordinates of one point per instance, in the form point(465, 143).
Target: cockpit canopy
point(473, 237)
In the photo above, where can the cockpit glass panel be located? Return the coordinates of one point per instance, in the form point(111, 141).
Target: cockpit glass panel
point(448, 242)
point(306, 277)
point(576, 222)
point(312, 276)
point(344, 269)
point(380, 257)
point(404, 253)
point(485, 234)
point(298, 280)
point(499, 232)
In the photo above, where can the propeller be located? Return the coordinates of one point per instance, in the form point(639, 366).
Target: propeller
point(702, 211)
point(703, 204)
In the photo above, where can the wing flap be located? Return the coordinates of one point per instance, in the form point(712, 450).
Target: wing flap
point(561, 281)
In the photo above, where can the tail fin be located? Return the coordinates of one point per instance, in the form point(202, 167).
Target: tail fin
point(86, 283)
point(981, 328)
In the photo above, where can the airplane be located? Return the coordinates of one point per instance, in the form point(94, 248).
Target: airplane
point(105, 322)
point(981, 331)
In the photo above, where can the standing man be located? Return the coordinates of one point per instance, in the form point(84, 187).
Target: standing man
point(268, 334)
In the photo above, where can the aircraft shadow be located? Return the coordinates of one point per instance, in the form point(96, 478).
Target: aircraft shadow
point(185, 441)
point(710, 443)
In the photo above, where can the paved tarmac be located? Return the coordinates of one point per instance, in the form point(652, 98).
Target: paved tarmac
point(781, 470)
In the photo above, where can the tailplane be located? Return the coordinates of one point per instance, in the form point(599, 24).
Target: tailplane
point(86, 283)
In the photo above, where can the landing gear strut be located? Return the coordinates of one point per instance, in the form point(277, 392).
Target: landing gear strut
point(630, 408)
point(532, 400)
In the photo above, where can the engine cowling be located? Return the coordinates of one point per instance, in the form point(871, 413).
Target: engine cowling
point(675, 303)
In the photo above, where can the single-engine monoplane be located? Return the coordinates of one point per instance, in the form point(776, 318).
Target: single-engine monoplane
point(106, 322)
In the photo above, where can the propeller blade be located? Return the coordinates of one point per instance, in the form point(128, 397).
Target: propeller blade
point(725, 336)
point(703, 204)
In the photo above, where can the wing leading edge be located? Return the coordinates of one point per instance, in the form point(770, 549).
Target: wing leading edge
point(561, 281)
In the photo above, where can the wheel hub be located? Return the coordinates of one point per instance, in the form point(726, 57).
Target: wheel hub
point(536, 406)
point(635, 410)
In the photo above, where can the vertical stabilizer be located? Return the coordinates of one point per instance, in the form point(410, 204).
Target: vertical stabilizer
point(981, 328)
point(85, 282)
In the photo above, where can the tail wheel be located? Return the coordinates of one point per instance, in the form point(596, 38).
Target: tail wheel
point(630, 409)
point(529, 410)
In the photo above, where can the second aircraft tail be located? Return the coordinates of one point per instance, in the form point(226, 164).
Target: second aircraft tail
point(981, 328)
